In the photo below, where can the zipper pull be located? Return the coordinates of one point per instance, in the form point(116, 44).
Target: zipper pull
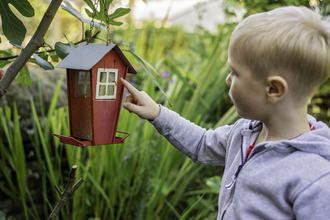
point(234, 177)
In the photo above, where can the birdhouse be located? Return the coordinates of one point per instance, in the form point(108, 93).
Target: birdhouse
point(95, 93)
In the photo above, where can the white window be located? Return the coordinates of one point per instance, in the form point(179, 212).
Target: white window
point(106, 87)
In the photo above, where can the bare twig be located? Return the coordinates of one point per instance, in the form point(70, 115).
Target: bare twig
point(36, 41)
point(70, 188)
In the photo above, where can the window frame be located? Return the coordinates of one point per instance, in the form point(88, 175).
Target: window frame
point(106, 83)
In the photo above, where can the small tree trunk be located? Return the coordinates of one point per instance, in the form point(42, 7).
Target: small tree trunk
point(70, 188)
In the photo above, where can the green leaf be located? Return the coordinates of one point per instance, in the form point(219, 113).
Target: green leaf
point(3, 63)
point(54, 57)
point(12, 27)
point(16, 45)
point(119, 12)
point(68, 7)
point(43, 63)
point(0, 40)
point(87, 33)
point(24, 76)
point(32, 60)
point(99, 15)
point(6, 53)
point(62, 50)
point(89, 13)
point(40, 59)
point(90, 4)
point(23, 6)
point(132, 46)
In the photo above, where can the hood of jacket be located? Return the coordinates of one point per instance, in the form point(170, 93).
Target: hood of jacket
point(316, 141)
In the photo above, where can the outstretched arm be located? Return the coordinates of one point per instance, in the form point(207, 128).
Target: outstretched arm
point(140, 103)
point(201, 146)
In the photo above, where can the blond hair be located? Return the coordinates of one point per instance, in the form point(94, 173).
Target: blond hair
point(292, 40)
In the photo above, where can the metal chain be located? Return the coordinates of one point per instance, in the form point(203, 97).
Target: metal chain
point(107, 22)
point(92, 21)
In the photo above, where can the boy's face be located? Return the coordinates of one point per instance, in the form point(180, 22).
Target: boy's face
point(247, 90)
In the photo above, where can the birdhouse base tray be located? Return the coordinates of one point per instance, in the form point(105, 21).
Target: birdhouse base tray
point(73, 141)
point(83, 143)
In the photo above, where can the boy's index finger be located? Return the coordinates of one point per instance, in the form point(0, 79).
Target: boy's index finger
point(131, 89)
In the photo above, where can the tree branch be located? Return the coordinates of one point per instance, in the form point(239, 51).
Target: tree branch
point(53, 50)
point(70, 188)
point(36, 41)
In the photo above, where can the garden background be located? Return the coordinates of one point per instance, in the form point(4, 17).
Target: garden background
point(144, 178)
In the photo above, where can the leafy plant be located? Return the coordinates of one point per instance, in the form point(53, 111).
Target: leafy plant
point(99, 15)
point(15, 31)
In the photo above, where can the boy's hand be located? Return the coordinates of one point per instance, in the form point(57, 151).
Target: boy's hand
point(140, 102)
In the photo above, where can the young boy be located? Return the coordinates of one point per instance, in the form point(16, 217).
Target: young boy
point(276, 157)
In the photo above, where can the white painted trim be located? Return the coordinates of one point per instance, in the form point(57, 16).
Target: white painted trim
point(98, 83)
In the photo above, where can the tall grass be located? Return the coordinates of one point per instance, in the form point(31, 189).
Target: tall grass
point(144, 178)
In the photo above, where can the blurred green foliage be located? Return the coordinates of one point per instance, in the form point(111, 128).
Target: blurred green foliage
point(256, 6)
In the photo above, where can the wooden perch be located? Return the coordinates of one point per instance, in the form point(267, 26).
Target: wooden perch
point(36, 41)
point(70, 188)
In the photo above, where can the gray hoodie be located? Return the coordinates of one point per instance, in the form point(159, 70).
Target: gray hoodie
point(288, 179)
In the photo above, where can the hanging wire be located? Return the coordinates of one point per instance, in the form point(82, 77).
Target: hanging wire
point(107, 22)
point(91, 24)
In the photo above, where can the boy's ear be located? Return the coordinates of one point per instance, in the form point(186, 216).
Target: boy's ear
point(276, 89)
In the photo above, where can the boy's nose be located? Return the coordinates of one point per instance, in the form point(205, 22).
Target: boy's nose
point(228, 80)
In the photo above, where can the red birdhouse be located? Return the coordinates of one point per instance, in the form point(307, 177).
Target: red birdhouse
point(95, 93)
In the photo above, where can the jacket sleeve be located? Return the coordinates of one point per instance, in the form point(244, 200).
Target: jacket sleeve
point(314, 201)
point(201, 145)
